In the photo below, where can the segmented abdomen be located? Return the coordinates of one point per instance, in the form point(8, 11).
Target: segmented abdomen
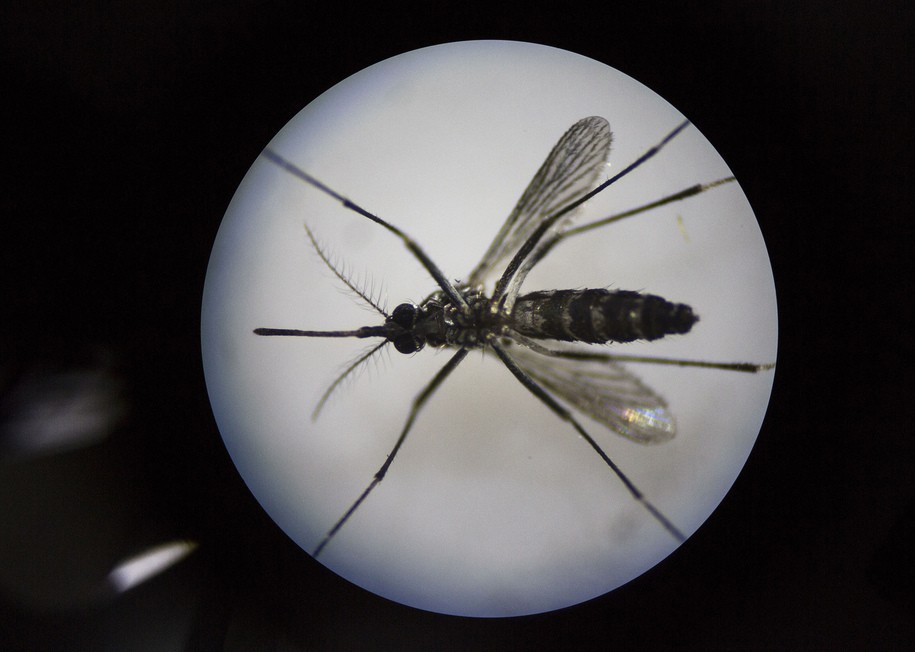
point(598, 316)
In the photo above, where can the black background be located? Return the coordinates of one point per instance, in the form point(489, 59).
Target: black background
point(126, 131)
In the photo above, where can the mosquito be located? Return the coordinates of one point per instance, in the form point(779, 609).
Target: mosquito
point(513, 326)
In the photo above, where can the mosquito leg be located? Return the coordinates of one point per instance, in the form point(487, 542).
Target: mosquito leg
point(677, 196)
point(747, 367)
point(538, 255)
point(437, 274)
point(516, 262)
point(565, 415)
point(418, 403)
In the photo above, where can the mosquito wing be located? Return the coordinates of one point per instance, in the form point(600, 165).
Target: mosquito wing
point(569, 172)
point(602, 389)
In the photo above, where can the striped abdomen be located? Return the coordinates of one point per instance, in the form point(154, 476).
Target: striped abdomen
point(598, 316)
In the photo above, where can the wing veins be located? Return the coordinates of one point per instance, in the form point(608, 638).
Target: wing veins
point(568, 173)
point(601, 389)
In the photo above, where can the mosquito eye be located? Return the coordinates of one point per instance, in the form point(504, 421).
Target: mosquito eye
point(404, 315)
point(408, 343)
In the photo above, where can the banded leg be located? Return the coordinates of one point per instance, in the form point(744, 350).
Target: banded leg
point(567, 416)
point(418, 403)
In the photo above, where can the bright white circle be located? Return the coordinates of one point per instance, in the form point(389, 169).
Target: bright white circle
point(494, 506)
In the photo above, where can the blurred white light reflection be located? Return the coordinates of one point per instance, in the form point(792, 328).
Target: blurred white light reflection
point(51, 412)
point(149, 563)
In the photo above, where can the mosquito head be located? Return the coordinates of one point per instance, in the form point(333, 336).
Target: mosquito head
point(400, 329)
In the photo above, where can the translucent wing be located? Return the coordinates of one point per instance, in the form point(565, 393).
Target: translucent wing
point(602, 389)
point(569, 172)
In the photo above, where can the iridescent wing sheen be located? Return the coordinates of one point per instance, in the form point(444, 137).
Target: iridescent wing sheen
point(602, 389)
point(570, 171)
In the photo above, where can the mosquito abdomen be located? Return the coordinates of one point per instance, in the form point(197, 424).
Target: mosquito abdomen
point(598, 316)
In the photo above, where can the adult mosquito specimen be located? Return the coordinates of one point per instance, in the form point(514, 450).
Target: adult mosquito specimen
point(511, 325)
